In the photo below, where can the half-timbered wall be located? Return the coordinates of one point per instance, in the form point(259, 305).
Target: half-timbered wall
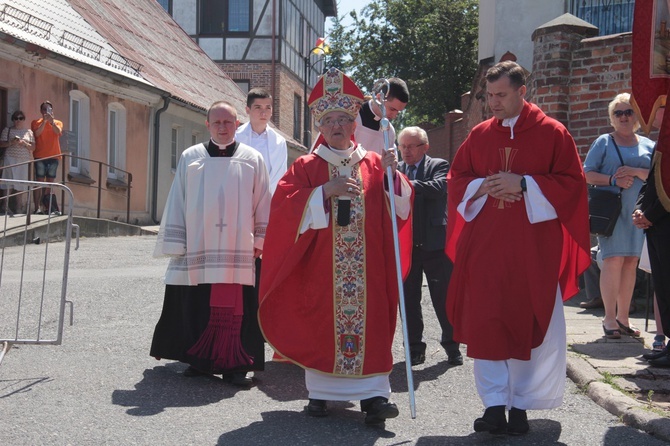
point(246, 56)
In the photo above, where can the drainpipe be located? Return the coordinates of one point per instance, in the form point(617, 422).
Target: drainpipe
point(274, 50)
point(157, 129)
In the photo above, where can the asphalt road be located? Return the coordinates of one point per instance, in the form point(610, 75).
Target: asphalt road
point(102, 387)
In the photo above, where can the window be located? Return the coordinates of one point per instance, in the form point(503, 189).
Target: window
point(297, 117)
point(194, 138)
point(610, 16)
point(243, 84)
point(238, 15)
point(78, 140)
point(116, 140)
point(167, 5)
point(174, 145)
point(216, 14)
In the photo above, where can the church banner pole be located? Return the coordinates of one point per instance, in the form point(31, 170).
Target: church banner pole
point(379, 92)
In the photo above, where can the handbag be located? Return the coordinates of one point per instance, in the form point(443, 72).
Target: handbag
point(604, 206)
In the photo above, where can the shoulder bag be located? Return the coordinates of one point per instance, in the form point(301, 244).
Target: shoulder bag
point(604, 206)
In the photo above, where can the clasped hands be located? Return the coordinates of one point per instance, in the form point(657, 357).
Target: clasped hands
point(505, 186)
point(347, 186)
point(625, 176)
point(640, 221)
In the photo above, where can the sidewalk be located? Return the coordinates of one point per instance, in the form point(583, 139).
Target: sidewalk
point(612, 371)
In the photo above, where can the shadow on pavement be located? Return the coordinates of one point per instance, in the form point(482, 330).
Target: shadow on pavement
point(341, 427)
point(150, 397)
point(9, 387)
point(399, 375)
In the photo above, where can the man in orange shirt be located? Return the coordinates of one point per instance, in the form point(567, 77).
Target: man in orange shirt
point(47, 131)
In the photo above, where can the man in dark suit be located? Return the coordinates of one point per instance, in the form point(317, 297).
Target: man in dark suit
point(429, 178)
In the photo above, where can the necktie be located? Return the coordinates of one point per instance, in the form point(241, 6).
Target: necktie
point(411, 172)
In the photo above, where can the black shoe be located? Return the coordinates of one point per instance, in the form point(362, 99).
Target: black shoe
point(378, 409)
point(417, 358)
point(454, 358)
point(316, 408)
point(191, 371)
point(238, 379)
point(518, 422)
point(493, 421)
point(656, 355)
point(663, 361)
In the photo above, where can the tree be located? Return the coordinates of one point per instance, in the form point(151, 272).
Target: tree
point(431, 44)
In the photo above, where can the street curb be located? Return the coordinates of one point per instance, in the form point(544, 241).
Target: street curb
point(54, 230)
point(632, 412)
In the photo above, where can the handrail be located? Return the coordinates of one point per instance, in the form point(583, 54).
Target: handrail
point(66, 166)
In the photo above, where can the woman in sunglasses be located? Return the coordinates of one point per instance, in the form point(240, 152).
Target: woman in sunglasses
point(19, 142)
point(621, 251)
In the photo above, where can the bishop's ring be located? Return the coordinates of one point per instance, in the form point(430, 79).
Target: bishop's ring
point(350, 190)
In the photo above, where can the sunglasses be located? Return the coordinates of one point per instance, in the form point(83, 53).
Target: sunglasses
point(620, 113)
point(20, 118)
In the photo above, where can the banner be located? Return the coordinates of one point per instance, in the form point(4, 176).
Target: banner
point(650, 77)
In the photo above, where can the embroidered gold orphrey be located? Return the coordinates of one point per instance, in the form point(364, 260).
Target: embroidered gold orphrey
point(349, 284)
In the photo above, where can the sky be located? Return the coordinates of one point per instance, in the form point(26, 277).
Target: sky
point(343, 8)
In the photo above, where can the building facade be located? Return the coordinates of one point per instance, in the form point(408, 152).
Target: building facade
point(264, 43)
point(577, 60)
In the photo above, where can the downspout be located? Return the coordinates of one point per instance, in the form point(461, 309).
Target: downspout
point(157, 128)
point(274, 51)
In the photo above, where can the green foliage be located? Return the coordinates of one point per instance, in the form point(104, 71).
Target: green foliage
point(431, 44)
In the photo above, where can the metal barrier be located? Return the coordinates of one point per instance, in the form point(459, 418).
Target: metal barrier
point(34, 273)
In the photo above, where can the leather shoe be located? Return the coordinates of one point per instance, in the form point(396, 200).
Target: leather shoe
point(238, 379)
point(518, 422)
point(454, 358)
point(378, 409)
point(417, 358)
point(663, 361)
point(656, 355)
point(493, 421)
point(316, 408)
point(596, 302)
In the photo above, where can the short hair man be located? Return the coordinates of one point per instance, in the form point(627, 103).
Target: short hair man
point(329, 297)
point(259, 135)
point(518, 235)
point(47, 131)
point(213, 227)
point(368, 131)
point(429, 179)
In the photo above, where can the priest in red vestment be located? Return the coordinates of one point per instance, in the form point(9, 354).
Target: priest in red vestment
point(329, 294)
point(518, 235)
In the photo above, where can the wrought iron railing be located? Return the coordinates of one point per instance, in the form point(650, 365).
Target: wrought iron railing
point(610, 16)
point(111, 186)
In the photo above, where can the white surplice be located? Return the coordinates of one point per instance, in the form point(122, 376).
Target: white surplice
point(538, 383)
point(216, 214)
point(275, 153)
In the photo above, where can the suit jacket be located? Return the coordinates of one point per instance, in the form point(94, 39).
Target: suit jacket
point(430, 203)
point(276, 160)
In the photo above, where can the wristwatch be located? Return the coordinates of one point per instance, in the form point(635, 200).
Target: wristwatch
point(523, 184)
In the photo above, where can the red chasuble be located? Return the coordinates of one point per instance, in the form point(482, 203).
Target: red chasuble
point(329, 297)
point(506, 270)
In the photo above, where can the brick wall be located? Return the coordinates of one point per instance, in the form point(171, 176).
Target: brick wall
point(287, 85)
point(574, 77)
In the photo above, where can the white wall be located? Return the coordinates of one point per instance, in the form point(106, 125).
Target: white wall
point(507, 25)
